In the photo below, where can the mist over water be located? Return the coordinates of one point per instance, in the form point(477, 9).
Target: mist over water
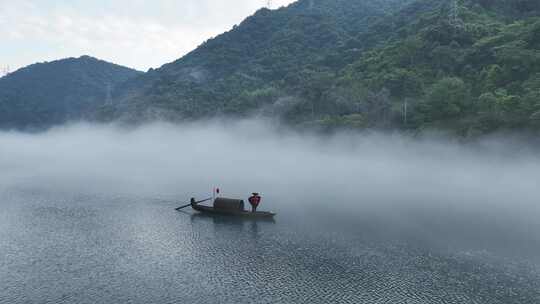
point(350, 171)
point(368, 199)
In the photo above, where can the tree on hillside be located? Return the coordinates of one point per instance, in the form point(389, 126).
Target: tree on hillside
point(447, 99)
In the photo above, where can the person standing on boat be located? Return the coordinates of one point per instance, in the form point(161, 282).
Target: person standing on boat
point(254, 200)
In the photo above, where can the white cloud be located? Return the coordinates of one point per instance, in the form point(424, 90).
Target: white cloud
point(137, 33)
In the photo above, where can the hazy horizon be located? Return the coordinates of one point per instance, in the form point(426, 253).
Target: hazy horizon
point(351, 170)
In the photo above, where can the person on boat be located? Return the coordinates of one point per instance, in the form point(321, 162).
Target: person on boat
point(254, 200)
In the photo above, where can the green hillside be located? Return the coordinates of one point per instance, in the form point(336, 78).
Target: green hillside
point(51, 93)
point(266, 57)
point(471, 69)
point(468, 67)
point(473, 72)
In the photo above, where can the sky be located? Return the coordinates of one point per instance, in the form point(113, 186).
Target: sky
point(135, 33)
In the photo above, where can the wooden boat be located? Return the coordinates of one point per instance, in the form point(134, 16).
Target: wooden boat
point(231, 207)
point(243, 213)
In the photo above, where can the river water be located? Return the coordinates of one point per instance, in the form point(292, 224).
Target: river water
point(69, 248)
point(87, 216)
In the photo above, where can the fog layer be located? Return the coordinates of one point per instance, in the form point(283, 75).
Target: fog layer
point(351, 174)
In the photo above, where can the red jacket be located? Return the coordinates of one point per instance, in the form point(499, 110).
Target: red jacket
point(254, 200)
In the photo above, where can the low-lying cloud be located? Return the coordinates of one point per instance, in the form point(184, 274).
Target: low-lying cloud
point(350, 173)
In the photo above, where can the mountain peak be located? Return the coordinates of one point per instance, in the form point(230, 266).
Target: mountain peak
point(268, 47)
point(48, 93)
point(351, 62)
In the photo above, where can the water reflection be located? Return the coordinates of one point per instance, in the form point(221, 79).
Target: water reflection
point(228, 224)
point(139, 251)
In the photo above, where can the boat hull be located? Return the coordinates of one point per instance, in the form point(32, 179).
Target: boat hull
point(241, 214)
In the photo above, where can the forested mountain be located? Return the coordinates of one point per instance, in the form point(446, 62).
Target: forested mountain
point(46, 94)
point(268, 58)
point(468, 66)
point(472, 68)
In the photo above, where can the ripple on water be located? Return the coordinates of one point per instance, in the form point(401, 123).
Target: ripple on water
point(117, 250)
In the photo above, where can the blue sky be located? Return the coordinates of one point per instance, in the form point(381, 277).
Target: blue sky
point(136, 33)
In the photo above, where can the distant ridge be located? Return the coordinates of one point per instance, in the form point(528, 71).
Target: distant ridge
point(50, 93)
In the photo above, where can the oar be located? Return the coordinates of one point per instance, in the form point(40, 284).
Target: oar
point(182, 207)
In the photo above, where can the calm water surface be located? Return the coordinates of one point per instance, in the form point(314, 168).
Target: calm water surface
point(65, 248)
